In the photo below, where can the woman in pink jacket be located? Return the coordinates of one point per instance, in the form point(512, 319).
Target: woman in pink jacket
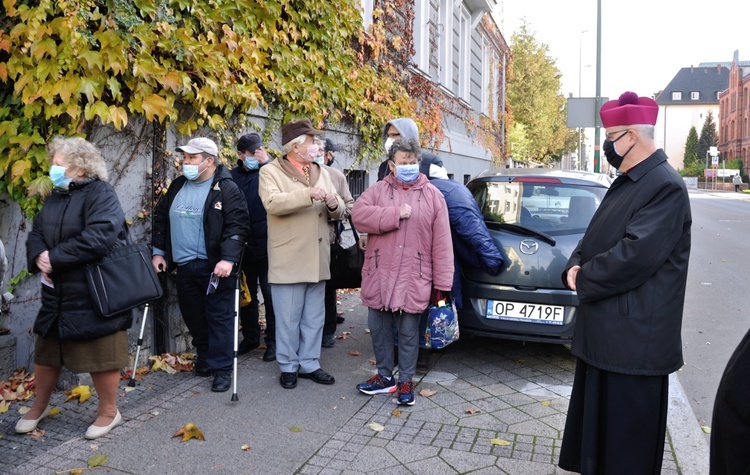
point(409, 252)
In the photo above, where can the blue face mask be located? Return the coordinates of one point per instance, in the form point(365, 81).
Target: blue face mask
point(318, 160)
point(252, 163)
point(191, 172)
point(407, 173)
point(57, 175)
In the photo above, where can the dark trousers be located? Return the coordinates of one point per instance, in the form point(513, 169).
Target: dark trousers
point(209, 318)
point(329, 326)
point(256, 273)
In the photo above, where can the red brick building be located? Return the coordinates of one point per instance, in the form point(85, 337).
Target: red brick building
point(734, 114)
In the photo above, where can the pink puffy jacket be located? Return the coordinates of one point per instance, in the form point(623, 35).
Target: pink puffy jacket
point(405, 258)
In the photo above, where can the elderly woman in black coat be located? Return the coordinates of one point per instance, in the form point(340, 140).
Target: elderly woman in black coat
point(80, 221)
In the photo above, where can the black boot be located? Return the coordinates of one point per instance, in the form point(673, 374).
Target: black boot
point(270, 353)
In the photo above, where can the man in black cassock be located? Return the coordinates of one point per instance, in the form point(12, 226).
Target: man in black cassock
point(629, 271)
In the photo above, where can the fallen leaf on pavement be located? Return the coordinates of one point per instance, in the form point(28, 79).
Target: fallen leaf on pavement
point(375, 426)
point(295, 429)
point(189, 431)
point(500, 442)
point(83, 393)
point(545, 403)
point(706, 429)
point(246, 447)
point(75, 471)
point(427, 392)
point(96, 460)
point(354, 353)
point(373, 361)
point(472, 411)
point(37, 434)
point(396, 413)
point(3, 408)
point(54, 411)
point(128, 389)
point(23, 410)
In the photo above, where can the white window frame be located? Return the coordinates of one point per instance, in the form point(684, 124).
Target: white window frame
point(445, 43)
point(422, 36)
point(464, 48)
point(694, 95)
point(487, 89)
point(676, 96)
point(367, 8)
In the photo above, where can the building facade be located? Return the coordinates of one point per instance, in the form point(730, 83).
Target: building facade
point(734, 114)
point(459, 50)
point(684, 103)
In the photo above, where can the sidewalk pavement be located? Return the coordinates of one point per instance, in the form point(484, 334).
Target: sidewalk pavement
point(513, 393)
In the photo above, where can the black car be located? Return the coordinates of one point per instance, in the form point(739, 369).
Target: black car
point(536, 217)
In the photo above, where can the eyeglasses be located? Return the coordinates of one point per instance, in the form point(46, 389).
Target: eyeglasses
point(612, 134)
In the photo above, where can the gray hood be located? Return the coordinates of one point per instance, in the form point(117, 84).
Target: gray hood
point(405, 126)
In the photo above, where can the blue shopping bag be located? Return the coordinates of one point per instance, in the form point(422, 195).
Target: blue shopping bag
point(441, 327)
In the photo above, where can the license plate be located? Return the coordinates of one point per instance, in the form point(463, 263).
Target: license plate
point(525, 312)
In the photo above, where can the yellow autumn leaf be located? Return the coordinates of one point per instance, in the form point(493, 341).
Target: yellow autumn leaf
point(500, 442)
point(3, 408)
point(295, 429)
point(82, 392)
point(545, 403)
point(155, 106)
point(189, 431)
point(246, 447)
point(76, 471)
point(376, 426)
point(706, 429)
point(396, 413)
point(23, 410)
point(96, 460)
point(54, 411)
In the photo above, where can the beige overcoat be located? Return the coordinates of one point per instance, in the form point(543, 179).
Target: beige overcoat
point(298, 241)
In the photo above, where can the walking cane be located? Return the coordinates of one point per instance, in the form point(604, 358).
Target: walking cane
point(237, 323)
point(131, 383)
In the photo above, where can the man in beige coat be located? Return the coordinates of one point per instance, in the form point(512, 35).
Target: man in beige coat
point(299, 198)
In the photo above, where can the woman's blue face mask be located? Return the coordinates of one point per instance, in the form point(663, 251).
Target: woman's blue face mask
point(407, 173)
point(57, 175)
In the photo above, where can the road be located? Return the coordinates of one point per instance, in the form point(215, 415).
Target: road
point(716, 315)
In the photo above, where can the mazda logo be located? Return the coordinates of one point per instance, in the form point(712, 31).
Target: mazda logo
point(529, 246)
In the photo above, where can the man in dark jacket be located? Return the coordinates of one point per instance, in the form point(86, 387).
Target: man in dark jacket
point(472, 243)
point(252, 156)
point(200, 228)
point(629, 271)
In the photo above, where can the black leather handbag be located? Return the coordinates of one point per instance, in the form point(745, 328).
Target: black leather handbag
point(346, 263)
point(123, 279)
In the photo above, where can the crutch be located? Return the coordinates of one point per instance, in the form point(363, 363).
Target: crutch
point(236, 324)
point(131, 383)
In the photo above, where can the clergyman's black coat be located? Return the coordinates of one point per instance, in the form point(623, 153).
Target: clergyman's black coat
point(634, 261)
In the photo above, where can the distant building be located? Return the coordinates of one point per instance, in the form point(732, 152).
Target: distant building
point(734, 112)
point(684, 103)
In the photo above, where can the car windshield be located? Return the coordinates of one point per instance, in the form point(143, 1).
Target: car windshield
point(552, 208)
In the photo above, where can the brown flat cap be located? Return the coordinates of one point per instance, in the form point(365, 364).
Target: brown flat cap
point(293, 129)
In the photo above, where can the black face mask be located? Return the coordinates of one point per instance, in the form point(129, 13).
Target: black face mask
point(331, 162)
point(612, 156)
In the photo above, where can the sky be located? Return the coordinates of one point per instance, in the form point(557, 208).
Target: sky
point(644, 42)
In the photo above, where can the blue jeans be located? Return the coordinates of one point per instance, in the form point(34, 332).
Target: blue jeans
point(383, 327)
point(209, 318)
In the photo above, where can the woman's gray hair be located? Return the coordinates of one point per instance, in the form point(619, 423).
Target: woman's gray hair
point(287, 147)
point(410, 146)
point(80, 153)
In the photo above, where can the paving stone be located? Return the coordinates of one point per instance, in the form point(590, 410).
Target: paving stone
point(464, 461)
point(430, 466)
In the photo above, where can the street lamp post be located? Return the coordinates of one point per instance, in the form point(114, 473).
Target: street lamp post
point(580, 73)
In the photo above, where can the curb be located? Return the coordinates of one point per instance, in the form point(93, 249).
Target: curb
point(691, 449)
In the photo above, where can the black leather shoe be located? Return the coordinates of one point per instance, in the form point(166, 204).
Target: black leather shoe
point(270, 353)
point(328, 341)
point(340, 319)
point(319, 376)
point(288, 380)
point(247, 346)
point(222, 381)
point(202, 369)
